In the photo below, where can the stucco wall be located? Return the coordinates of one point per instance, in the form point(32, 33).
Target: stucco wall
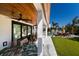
point(5, 31)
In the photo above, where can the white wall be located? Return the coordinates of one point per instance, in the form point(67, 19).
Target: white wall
point(5, 30)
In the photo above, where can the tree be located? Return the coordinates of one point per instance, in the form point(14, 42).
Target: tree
point(68, 28)
point(55, 25)
point(75, 24)
point(75, 20)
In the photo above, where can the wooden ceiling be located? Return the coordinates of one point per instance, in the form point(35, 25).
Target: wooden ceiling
point(27, 10)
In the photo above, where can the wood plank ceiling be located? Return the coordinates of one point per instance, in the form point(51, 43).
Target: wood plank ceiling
point(13, 10)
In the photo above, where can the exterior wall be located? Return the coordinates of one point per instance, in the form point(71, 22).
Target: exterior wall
point(5, 30)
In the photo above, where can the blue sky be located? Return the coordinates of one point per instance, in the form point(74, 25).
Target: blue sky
point(63, 13)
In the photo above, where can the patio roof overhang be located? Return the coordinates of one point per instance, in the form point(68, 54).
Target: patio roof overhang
point(13, 10)
point(46, 9)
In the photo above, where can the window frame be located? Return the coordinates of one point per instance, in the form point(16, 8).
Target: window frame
point(26, 30)
point(21, 24)
point(30, 28)
point(14, 22)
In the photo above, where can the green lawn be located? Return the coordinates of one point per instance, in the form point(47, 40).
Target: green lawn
point(66, 47)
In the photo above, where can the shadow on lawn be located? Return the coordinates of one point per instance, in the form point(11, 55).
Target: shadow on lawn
point(75, 39)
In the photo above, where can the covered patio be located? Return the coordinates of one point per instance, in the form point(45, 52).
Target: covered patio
point(18, 20)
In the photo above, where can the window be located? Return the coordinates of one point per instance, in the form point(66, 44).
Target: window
point(35, 29)
point(16, 31)
point(44, 30)
point(29, 30)
point(20, 30)
point(24, 31)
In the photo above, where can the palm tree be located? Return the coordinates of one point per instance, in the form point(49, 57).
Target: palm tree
point(55, 25)
point(68, 28)
point(75, 20)
point(75, 27)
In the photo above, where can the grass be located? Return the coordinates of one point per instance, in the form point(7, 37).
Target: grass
point(66, 47)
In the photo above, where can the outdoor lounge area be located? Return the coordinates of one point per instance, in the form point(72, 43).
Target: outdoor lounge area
point(25, 49)
point(23, 29)
point(16, 30)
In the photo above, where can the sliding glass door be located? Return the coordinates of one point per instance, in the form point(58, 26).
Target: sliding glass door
point(16, 31)
point(20, 31)
point(29, 30)
point(24, 30)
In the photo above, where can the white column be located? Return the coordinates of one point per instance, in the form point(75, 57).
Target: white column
point(40, 32)
point(40, 29)
point(39, 24)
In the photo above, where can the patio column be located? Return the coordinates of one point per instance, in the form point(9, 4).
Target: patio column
point(39, 24)
point(40, 32)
